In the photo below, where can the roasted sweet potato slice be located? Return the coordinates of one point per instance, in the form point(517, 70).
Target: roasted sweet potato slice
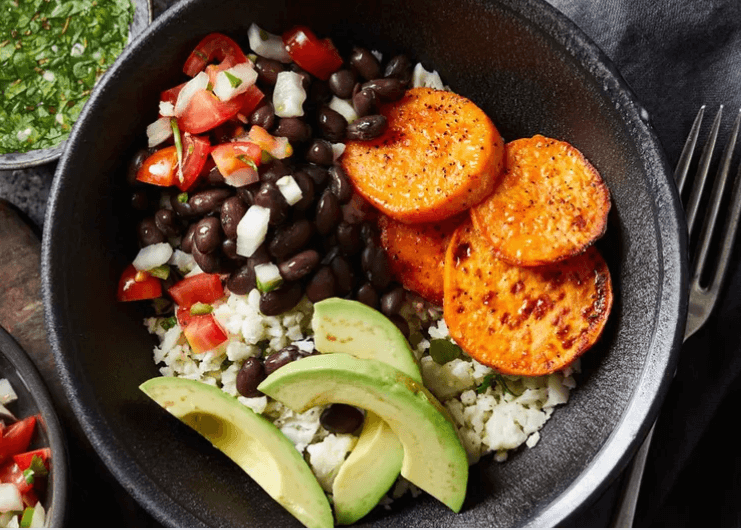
point(417, 253)
point(550, 204)
point(523, 320)
point(439, 156)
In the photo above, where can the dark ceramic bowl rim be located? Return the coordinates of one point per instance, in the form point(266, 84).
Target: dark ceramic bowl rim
point(31, 379)
point(652, 384)
point(37, 157)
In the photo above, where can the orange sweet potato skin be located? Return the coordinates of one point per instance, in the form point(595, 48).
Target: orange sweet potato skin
point(440, 155)
point(523, 320)
point(550, 204)
point(417, 253)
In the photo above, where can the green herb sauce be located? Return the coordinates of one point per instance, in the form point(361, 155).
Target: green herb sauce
point(51, 54)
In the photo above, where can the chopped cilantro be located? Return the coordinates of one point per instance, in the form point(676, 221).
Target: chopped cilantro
point(491, 380)
point(233, 79)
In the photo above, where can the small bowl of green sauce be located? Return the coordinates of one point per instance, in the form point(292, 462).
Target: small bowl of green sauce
point(52, 53)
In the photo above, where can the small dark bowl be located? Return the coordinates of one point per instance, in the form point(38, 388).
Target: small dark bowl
point(36, 157)
point(533, 72)
point(34, 398)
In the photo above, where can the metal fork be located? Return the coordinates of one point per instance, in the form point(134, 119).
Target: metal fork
point(703, 295)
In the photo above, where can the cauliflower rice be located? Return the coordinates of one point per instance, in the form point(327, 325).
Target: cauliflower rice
point(493, 413)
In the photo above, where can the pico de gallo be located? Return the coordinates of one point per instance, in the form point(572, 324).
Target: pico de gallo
point(23, 470)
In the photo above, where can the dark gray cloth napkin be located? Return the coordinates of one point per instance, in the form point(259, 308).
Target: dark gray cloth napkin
point(678, 55)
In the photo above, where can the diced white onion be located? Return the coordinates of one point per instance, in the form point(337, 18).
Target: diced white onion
point(158, 131)
point(199, 82)
point(7, 394)
point(344, 107)
point(337, 150)
point(378, 55)
point(267, 275)
point(182, 260)
point(267, 45)
point(245, 77)
point(10, 498)
point(242, 177)
point(423, 78)
point(252, 229)
point(39, 516)
point(290, 189)
point(289, 95)
point(167, 108)
point(152, 256)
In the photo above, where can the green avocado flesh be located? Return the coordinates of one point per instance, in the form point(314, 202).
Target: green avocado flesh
point(251, 441)
point(434, 459)
point(347, 326)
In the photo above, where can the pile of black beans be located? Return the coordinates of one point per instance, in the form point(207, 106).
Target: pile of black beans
point(326, 244)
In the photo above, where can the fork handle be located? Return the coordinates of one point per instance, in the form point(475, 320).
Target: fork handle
point(626, 509)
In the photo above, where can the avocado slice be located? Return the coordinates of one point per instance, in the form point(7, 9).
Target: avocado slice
point(434, 459)
point(347, 326)
point(251, 441)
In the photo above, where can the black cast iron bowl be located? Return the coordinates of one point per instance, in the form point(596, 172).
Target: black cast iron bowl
point(34, 399)
point(533, 72)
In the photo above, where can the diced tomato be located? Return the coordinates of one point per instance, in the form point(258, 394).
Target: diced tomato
point(203, 333)
point(195, 154)
point(205, 288)
point(160, 168)
point(137, 285)
point(318, 57)
point(171, 94)
point(213, 47)
point(16, 438)
point(238, 162)
point(11, 473)
point(276, 147)
point(253, 98)
point(205, 111)
point(24, 459)
point(213, 69)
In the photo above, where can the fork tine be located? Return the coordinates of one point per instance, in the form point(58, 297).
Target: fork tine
point(683, 166)
point(702, 173)
point(712, 215)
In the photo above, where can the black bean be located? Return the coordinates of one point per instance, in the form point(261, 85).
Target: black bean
point(186, 243)
point(214, 177)
point(208, 201)
point(166, 222)
point(400, 323)
point(365, 102)
point(343, 273)
point(267, 70)
point(295, 129)
point(210, 263)
point(281, 358)
point(322, 285)
point(400, 68)
point(229, 248)
point(328, 213)
point(305, 76)
point(281, 300)
point(271, 198)
point(261, 255)
point(249, 377)
point(332, 124)
point(331, 248)
point(367, 127)
point(247, 193)
point(365, 63)
point(148, 232)
point(342, 82)
point(339, 184)
point(368, 233)
point(387, 89)
point(242, 280)
point(379, 271)
point(319, 94)
point(298, 266)
point(232, 212)
point(356, 210)
point(392, 300)
point(264, 115)
point(136, 162)
point(320, 152)
point(306, 183)
point(290, 239)
point(181, 207)
point(340, 418)
point(367, 295)
point(318, 174)
point(207, 237)
point(367, 256)
point(274, 170)
point(348, 238)
point(140, 200)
